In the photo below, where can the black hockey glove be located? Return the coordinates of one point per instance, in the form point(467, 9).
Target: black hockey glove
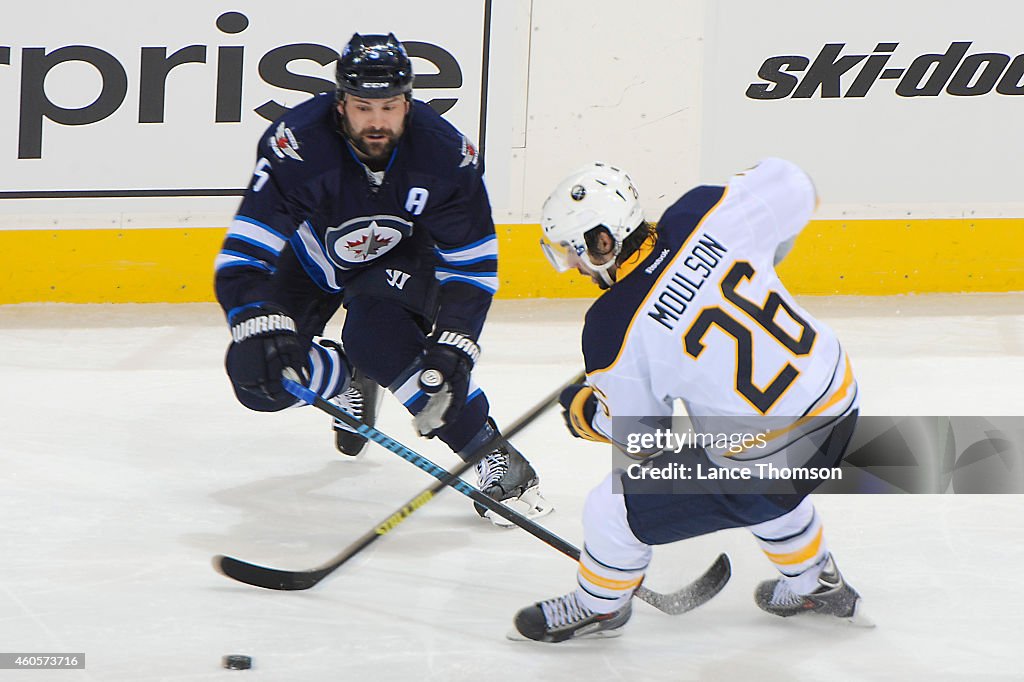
point(579, 405)
point(264, 344)
point(447, 364)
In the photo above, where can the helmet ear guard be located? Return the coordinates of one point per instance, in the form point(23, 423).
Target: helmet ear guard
point(596, 195)
point(374, 67)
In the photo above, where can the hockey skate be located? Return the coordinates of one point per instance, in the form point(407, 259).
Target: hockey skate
point(361, 400)
point(563, 618)
point(833, 597)
point(505, 475)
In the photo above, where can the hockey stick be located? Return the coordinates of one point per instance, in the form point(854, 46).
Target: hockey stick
point(680, 601)
point(278, 579)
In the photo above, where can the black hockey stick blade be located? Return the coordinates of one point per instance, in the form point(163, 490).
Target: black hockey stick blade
point(699, 592)
point(269, 578)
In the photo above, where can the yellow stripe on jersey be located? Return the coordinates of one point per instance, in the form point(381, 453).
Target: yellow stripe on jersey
point(840, 393)
point(801, 555)
point(579, 419)
point(608, 583)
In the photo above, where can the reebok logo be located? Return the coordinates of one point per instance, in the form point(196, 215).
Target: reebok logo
point(837, 73)
point(657, 261)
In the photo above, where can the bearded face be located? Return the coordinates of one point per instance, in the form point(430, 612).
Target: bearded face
point(373, 126)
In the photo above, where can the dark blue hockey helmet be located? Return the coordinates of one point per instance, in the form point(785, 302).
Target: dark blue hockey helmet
point(375, 67)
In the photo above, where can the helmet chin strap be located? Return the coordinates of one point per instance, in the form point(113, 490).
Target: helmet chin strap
point(602, 269)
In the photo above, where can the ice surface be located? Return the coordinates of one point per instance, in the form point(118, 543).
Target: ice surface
point(126, 464)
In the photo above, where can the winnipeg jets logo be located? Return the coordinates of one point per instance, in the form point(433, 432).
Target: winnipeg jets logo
point(368, 244)
point(469, 153)
point(364, 239)
point(284, 143)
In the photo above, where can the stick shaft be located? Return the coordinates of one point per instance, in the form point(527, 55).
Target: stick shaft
point(271, 578)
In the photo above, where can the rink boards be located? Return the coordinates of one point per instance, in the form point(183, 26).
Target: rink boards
point(125, 150)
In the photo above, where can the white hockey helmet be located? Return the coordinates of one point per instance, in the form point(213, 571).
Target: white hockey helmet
point(594, 195)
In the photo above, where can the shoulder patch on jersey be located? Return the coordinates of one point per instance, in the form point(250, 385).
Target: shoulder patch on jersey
point(469, 153)
point(284, 143)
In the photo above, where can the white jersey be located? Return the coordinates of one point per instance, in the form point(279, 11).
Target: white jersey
point(703, 317)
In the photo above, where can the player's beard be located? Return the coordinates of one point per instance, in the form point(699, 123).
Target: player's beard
point(376, 151)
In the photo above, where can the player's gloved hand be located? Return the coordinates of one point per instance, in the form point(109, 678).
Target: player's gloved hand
point(579, 405)
point(264, 344)
point(447, 364)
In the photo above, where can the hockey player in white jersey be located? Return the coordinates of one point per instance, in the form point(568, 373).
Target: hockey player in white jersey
point(694, 311)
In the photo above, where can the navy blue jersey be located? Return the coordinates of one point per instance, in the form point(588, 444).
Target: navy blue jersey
point(310, 193)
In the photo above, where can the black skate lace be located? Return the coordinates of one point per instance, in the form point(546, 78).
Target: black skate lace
point(492, 468)
point(565, 610)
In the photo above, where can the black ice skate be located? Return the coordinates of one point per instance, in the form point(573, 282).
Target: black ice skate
point(361, 400)
point(505, 475)
point(563, 618)
point(833, 597)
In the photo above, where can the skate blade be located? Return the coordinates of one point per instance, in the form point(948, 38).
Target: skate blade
point(346, 455)
point(347, 444)
point(530, 504)
point(517, 636)
point(859, 618)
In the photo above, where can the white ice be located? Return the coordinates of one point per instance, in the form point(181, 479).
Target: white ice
point(126, 464)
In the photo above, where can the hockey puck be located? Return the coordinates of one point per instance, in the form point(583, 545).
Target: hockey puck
point(237, 662)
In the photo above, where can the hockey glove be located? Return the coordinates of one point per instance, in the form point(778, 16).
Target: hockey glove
point(447, 364)
point(264, 344)
point(579, 405)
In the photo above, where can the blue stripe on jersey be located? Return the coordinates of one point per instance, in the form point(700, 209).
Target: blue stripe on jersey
point(253, 242)
point(610, 316)
point(311, 255)
point(415, 396)
point(488, 244)
point(486, 281)
point(231, 259)
point(254, 232)
point(470, 261)
point(486, 267)
point(468, 273)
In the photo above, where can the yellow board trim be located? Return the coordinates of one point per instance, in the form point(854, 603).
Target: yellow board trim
point(108, 266)
point(856, 257)
point(885, 257)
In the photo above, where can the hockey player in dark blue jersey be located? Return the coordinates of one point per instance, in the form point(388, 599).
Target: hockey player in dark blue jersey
point(369, 199)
